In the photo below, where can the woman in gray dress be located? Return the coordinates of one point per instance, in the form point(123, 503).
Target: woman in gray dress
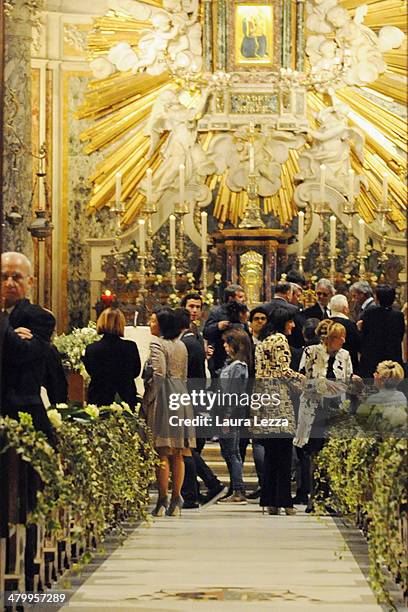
point(165, 379)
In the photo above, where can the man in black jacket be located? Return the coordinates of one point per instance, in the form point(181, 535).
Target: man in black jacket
point(196, 380)
point(23, 384)
point(282, 297)
point(324, 293)
point(218, 321)
point(382, 331)
point(362, 298)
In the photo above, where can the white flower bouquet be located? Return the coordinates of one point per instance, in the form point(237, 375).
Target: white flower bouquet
point(72, 346)
point(383, 417)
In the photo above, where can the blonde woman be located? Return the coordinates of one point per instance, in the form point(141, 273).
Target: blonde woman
point(329, 366)
point(112, 362)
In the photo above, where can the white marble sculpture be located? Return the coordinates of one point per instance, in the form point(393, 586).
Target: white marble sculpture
point(337, 38)
point(181, 146)
point(171, 40)
point(271, 149)
point(331, 145)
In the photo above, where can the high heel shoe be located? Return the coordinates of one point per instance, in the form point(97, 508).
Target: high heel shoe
point(161, 507)
point(273, 510)
point(175, 507)
point(290, 511)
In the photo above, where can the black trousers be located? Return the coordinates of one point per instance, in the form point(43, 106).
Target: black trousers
point(196, 466)
point(303, 478)
point(276, 486)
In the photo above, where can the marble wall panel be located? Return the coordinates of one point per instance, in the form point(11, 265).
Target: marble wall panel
point(17, 168)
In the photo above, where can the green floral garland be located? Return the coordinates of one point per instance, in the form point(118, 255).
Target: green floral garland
point(367, 478)
point(104, 463)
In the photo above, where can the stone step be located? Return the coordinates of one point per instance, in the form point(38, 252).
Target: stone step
point(212, 456)
point(220, 467)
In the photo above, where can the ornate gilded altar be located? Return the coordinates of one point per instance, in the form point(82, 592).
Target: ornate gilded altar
point(251, 257)
point(207, 102)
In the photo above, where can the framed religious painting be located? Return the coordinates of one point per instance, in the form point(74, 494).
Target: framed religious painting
point(252, 34)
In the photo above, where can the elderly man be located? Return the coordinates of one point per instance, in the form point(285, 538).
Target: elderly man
point(23, 384)
point(282, 297)
point(362, 297)
point(324, 293)
point(339, 308)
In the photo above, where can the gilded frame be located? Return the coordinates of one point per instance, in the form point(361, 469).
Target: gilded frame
point(263, 51)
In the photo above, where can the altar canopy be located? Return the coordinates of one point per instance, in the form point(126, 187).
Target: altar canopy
point(191, 75)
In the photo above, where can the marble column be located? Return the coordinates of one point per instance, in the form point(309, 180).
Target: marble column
point(17, 160)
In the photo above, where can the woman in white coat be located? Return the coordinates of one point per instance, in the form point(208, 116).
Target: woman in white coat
point(328, 367)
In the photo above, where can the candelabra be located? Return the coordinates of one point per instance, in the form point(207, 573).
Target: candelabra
point(383, 210)
point(173, 271)
point(118, 210)
point(349, 209)
point(142, 278)
point(181, 208)
point(300, 260)
point(321, 208)
point(252, 215)
point(204, 259)
point(333, 259)
point(148, 211)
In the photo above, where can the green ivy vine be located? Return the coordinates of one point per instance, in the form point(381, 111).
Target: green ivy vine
point(367, 478)
point(98, 475)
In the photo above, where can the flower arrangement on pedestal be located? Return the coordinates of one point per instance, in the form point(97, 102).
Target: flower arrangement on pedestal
point(72, 346)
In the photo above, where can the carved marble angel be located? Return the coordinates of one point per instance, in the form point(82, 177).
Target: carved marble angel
point(271, 149)
point(331, 146)
point(337, 38)
point(181, 147)
point(171, 39)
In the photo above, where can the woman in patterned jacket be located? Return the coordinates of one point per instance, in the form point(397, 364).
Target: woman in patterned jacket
point(274, 377)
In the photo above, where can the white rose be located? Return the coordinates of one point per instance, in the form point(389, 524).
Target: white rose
point(55, 418)
point(92, 410)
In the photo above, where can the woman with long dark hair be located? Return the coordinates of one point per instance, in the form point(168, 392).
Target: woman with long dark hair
point(234, 380)
point(166, 374)
point(273, 375)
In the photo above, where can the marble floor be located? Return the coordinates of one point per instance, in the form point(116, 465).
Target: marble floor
point(233, 560)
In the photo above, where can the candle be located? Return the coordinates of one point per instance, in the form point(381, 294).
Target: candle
point(172, 220)
point(204, 234)
point(332, 236)
point(149, 184)
point(142, 237)
point(351, 185)
point(322, 183)
point(385, 188)
point(118, 188)
point(251, 159)
point(301, 232)
point(361, 226)
point(181, 182)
